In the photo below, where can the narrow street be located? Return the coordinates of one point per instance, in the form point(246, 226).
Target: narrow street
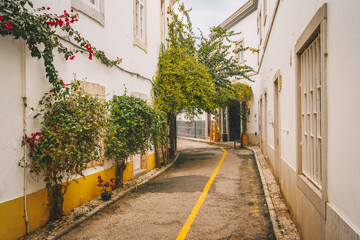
point(234, 207)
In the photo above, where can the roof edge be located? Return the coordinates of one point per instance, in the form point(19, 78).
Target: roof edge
point(244, 11)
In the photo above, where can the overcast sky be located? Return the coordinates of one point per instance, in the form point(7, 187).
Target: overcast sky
point(209, 13)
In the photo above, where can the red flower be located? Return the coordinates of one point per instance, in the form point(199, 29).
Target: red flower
point(72, 57)
point(8, 26)
point(67, 24)
point(43, 8)
point(48, 8)
point(51, 90)
point(66, 59)
point(107, 184)
point(1, 17)
point(72, 10)
point(42, 20)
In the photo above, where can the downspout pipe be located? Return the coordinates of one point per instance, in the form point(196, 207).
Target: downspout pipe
point(24, 98)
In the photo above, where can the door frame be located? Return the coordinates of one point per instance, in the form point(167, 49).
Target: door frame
point(277, 124)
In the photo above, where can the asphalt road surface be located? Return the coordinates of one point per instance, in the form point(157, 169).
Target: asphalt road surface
point(234, 207)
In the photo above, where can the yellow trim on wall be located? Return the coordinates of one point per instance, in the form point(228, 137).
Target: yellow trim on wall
point(12, 212)
point(151, 162)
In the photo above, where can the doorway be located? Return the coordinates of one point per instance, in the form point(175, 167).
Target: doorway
point(234, 120)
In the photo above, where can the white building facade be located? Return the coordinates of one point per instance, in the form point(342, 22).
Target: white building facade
point(306, 93)
point(133, 30)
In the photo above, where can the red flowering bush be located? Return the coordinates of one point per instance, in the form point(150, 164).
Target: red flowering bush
point(105, 186)
point(70, 137)
point(38, 27)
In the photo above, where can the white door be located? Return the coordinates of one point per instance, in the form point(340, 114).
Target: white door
point(137, 162)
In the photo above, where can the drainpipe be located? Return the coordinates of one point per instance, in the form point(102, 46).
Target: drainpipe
point(24, 98)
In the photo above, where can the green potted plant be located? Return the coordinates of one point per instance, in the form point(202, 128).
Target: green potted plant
point(104, 188)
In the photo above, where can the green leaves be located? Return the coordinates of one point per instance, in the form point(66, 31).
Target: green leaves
point(38, 29)
point(132, 126)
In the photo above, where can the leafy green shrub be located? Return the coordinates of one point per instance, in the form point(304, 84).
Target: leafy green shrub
point(133, 127)
point(71, 131)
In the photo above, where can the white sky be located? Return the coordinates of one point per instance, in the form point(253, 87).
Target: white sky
point(209, 13)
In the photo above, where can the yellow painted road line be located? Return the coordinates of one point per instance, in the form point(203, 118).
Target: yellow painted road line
point(185, 229)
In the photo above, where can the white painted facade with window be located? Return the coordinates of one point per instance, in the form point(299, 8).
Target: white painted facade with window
point(244, 21)
point(307, 92)
point(131, 30)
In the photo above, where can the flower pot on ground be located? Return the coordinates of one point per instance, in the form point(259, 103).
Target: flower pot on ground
point(245, 139)
point(106, 196)
point(106, 188)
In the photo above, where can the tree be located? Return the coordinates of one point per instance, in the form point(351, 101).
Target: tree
point(133, 126)
point(192, 79)
point(214, 52)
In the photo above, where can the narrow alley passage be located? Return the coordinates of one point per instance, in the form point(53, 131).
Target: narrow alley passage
point(234, 207)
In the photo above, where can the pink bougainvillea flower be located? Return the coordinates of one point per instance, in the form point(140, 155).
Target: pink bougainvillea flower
point(1, 17)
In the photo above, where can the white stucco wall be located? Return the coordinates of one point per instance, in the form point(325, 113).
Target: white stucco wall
point(115, 38)
point(343, 41)
point(248, 29)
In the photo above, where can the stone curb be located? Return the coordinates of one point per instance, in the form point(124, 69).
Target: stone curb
point(269, 202)
point(61, 232)
point(283, 225)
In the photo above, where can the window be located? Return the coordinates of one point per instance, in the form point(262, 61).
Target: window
point(163, 25)
point(239, 55)
point(95, 89)
point(140, 24)
point(311, 110)
point(92, 8)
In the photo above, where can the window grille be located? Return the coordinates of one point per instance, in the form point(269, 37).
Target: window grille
point(311, 112)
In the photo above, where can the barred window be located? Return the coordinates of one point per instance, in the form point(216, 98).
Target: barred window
point(311, 121)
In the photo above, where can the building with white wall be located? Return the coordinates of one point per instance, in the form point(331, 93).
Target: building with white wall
point(243, 21)
point(306, 93)
point(133, 30)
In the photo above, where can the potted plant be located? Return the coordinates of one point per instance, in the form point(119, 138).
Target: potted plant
point(104, 188)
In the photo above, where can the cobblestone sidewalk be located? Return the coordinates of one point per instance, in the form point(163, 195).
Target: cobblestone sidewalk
point(284, 227)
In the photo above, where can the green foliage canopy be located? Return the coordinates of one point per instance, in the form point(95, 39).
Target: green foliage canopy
point(133, 126)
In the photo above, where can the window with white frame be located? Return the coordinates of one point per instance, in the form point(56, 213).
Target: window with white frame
point(92, 8)
point(311, 111)
point(163, 23)
point(311, 120)
point(239, 54)
point(140, 23)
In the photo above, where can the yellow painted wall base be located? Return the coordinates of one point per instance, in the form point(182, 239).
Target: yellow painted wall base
point(152, 162)
point(12, 223)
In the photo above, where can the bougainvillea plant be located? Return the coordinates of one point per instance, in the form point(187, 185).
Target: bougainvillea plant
point(39, 28)
point(70, 137)
point(105, 186)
